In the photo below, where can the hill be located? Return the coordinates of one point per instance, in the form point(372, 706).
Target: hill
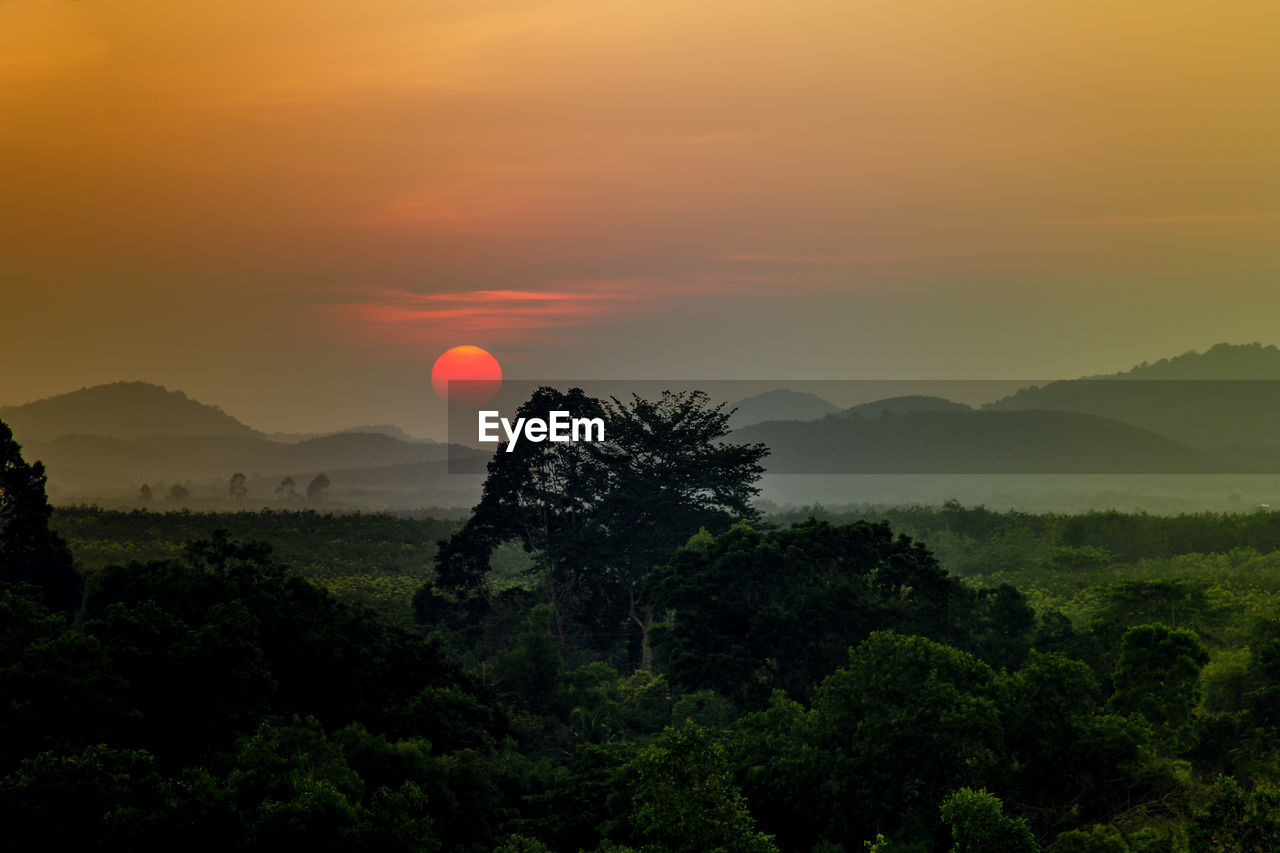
point(1220, 361)
point(779, 405)
point(904, 405)
point(90, 464)
point(1027, 442)
point(120, 410)
point(381, 429)
point(1226, 398)
point(101, 444)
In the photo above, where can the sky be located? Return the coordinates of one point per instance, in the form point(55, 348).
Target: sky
point(289, 209)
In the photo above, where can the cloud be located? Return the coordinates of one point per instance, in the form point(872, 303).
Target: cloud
point(383, 315)
point(408, 317)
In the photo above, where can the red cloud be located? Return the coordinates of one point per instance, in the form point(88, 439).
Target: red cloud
point(407, 317)
point(387, 315)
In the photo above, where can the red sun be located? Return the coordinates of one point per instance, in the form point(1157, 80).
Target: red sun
point(479, 369)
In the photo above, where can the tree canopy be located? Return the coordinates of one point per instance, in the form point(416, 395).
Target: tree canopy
point(598, 516)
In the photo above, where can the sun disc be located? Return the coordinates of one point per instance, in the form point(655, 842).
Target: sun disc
point(475, 365)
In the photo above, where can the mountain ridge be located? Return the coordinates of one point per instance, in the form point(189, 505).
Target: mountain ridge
point(127, 409)
point(1227, 396)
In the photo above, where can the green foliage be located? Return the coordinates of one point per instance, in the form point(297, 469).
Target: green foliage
point(531, 670)
point(521, 844)
point(906, 721)
point(780, 768)
point(1098, 838)
point(979, 825)
point(1262, 675)
point(107, 799)
point(605, 706)
point(1068, 760)
point(685, 801)
point(244, 708)
point(58, 690)
point(751, 611)
point(1158, 673)
point(1235, 819)
point(378, 560)
point(194, 685)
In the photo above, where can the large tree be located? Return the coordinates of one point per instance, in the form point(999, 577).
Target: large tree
point(29, 551)
point(597, 516)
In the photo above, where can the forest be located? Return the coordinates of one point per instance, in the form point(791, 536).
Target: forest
point(619, 650)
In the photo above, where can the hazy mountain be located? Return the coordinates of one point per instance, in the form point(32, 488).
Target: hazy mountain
point(80, 462)
point(120, 410)
point(1220, 361)
point(380, 429)
point(1200, 412)
point(904, 405)
point(343, 450)
point(779, 405)
point(103, 443)
point(1030, 442)
point(1227, 397)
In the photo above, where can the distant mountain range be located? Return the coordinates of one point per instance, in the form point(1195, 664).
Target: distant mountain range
point(1216, 411)
point(1227, 398)
point(1211, 412)
point(786, 405)
point(108, 440)
point(969, 442)
point(1220, 361)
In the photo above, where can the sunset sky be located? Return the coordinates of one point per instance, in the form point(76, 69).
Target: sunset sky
point(291, 208)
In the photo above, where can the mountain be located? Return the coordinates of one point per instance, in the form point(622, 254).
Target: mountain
point(1220, 361)
point(89, 463)
point(1224, 399)
point(380, 429)
point(342, 450)
point(104, 442)
point(120, 410)
point(779, 405)
point(905, 405)
point(969, 442)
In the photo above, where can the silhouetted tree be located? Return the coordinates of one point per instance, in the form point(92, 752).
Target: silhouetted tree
point(29, 551)
point(597, 516)
point(144, 494)
point(178, 493)
point(288, 489)
point(317, 487)
point(239, 487)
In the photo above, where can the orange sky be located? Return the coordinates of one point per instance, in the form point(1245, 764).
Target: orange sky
point(290, 208)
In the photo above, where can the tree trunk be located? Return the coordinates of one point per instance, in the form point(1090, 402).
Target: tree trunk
point(643, 617)
point(646, 651)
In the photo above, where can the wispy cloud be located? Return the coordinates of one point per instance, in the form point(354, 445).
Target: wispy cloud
point(390, 315)
point(406, 316)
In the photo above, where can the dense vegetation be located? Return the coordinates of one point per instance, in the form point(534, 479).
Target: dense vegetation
point(378, 560)
point(942, 678)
